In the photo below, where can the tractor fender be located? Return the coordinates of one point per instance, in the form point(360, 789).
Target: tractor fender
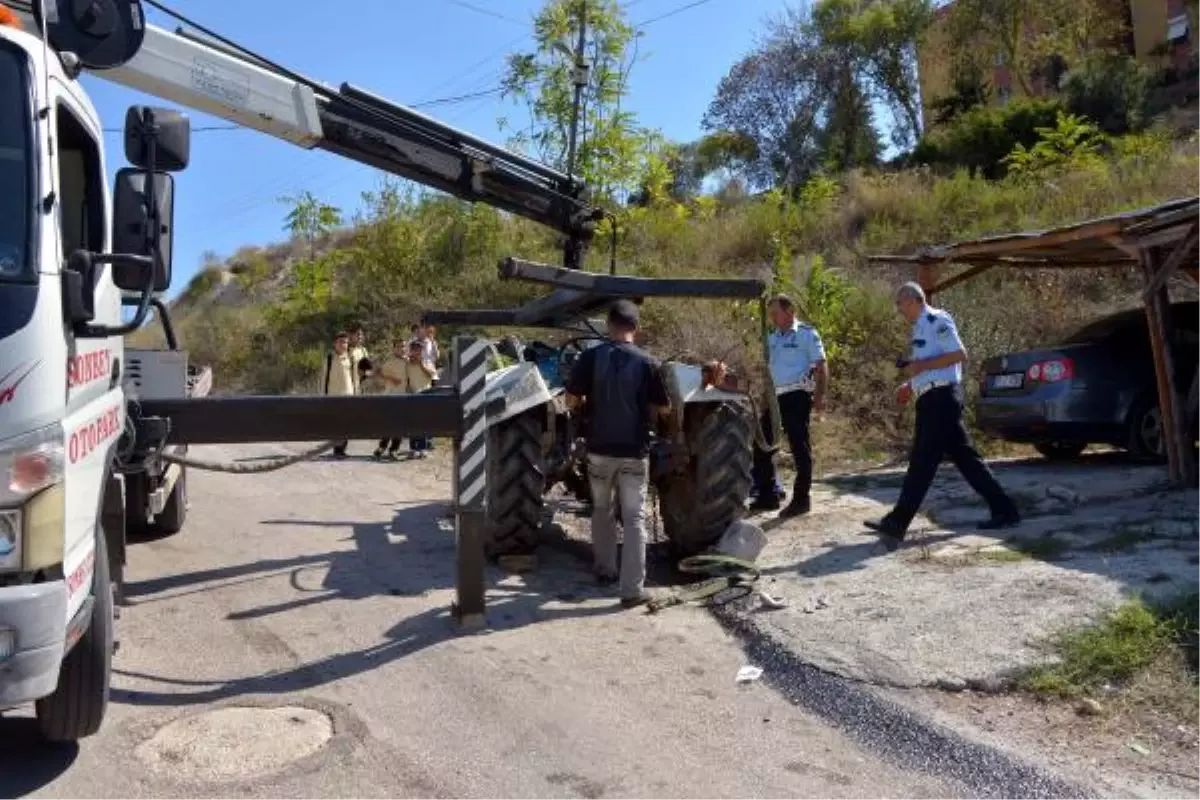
point(513, 390)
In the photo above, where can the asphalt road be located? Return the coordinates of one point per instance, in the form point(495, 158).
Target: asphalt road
point(294, 641)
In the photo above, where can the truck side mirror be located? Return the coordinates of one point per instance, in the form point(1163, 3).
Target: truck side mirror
point(157, 134)
point(132, 232)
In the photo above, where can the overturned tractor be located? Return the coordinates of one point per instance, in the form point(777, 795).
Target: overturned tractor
point(700, 461)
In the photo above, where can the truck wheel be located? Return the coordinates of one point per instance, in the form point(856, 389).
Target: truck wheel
point(698, 505)
point(174, 513)
point(77, 707)
point(516, 480)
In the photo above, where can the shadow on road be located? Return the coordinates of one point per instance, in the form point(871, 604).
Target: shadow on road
point(40, 763)
point(409, 557)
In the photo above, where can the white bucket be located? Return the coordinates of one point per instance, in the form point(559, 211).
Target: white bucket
point(742, 540)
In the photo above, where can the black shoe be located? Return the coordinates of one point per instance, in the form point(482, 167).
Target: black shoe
point(378, 454)
point(795, 509)
point(998, 521)
point(891, 543)
point(634, 602)
point(765, 504)
point(339, 454)
point(889, 537)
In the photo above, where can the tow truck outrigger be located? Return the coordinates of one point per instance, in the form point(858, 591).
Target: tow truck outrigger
point(84, 422)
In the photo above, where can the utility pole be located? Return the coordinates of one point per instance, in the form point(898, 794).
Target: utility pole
point(579, 77)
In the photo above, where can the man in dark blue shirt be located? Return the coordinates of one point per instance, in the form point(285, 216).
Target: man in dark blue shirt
point(621, 390)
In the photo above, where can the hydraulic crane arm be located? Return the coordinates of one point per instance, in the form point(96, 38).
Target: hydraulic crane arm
point(207, 76)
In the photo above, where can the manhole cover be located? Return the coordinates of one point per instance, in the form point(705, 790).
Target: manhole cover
point(236, 743)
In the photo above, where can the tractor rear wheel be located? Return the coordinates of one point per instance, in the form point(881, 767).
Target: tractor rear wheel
point(699, 504)
point(516, 481)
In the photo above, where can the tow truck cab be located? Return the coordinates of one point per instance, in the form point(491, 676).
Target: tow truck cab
point(62, 400)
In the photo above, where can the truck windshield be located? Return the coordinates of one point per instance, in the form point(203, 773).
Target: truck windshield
point(16, 162)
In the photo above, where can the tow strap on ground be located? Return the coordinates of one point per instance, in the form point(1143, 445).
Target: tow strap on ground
point(725, 572)
point(236, 468)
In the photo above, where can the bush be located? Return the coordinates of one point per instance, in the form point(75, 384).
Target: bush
point(1112, 91)
point(979, 139)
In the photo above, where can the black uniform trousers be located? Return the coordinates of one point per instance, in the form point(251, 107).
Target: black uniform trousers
point(940, 432)
point(795, 412)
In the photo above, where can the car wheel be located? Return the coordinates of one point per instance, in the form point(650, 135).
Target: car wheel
point(1060, 451)
point(1146, 442)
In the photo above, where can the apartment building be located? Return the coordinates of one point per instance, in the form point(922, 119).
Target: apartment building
point(1160, 33)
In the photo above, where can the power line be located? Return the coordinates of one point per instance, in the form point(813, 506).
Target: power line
point(468, 70)
point(485, 11)
point(459, 98)
point(672, 12)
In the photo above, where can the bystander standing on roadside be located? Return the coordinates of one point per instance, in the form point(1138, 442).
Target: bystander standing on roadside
point(361, 358)
point(392, 377)
point(801, 378)
point(934, 379)
point(340, 377)
point(419, 375)
point(621, 391)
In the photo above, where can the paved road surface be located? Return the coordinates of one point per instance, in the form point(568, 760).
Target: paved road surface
point(323, 591)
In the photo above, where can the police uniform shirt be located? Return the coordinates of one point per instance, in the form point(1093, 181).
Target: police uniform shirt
point(794, 353)
point(935, 334)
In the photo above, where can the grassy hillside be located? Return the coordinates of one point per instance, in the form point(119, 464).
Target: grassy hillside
point(263, 317)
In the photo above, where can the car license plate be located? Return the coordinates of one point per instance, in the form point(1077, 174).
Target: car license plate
point(1011, 381)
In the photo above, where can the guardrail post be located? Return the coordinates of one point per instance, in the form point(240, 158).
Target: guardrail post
point(470, 481)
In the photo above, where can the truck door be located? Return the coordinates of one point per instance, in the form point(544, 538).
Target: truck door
point(95, 408)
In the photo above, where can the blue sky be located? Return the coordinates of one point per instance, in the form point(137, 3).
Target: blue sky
point(410, 51)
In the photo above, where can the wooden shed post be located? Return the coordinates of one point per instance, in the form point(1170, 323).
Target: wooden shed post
point(927, 278)
point(1157, 318)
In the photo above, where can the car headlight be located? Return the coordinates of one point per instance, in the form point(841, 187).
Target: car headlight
point(30, 463)
point(10, 539)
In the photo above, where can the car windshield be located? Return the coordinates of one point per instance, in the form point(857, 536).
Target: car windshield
point(16, 190)
point(1133, 323)
point(1127, 321)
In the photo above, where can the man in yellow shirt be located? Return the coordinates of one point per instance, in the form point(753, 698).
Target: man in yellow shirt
point(341, 377)
point(404, 372)
point(393, 379)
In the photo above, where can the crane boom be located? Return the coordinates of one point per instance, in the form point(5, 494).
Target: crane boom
point(355, 124)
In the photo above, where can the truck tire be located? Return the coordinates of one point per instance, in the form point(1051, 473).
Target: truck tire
point(174, 512)
point(698, 505)
point(77, 707)
point(516, 482)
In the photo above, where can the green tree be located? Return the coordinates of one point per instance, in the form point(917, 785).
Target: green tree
point(309, 219)
point(848, 138)
point(1030, 35)
point(880, 39)
point(798, 103)
point(1113, 91)
point(610, 143)
point(969, 89)
point(1072, 142)
point(775, 98)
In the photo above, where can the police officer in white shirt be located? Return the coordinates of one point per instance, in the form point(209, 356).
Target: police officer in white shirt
point(934, 376)
point(800, 375)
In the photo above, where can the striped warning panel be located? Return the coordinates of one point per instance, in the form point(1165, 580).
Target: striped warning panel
point(471, 467)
